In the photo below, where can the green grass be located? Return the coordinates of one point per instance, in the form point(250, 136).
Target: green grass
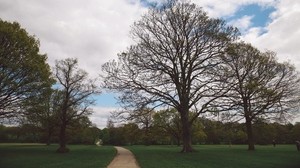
point(217, 156)
point(41, 156)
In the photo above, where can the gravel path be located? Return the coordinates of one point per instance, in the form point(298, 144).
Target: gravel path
point(123, 159)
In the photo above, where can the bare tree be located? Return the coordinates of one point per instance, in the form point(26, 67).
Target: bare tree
point(176, 54)
point(260, 86)
point(76, 90)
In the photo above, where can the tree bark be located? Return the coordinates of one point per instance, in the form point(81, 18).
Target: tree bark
point(251, 146)
point(186, 133)
point(49, 135)
point(63, 141)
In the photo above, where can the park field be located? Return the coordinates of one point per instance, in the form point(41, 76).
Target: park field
point(217, 156)
point(206, 156)
point(41, 156)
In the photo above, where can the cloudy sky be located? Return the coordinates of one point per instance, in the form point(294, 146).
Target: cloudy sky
point(94, 31)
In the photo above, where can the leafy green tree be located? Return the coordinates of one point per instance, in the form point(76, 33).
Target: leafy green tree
point(82, 131)
point(260, 87)
point(173, 63)
point(295, 132)
point(76, 91)
point(42, 111)
point(264, 132)
point(104, 136)
point(169, 121)
point(283, 134)
point(198, 134)
point(131, 133)
point(24, 73)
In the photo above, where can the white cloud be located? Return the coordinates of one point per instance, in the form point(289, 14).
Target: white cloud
point(92, 31)
point(282, 34)
point(95, 31)
point(243, 23)
point(217, 8)
point(101, 115)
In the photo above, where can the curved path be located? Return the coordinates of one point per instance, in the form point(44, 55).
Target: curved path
point(123, 159)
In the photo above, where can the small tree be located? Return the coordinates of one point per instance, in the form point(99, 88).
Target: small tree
point(260, 86)
point(76, 90)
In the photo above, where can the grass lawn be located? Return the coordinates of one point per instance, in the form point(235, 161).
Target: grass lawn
point(41, 156)
point(217, 156)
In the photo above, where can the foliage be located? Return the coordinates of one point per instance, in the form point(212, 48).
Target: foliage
point(169, 123)
point(29, 133)
point(39, 156)
point(42, 112)
point(205, 132)
point(260, 87)
point(24, 73)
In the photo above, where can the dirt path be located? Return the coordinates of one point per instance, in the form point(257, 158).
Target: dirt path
point(123, 159)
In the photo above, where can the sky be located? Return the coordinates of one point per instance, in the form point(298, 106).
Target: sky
point(95, 31)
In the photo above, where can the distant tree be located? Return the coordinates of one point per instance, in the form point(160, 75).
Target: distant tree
point(169, 121)
point(131, 133)
point(42, 111)
point(177, 52)
point(76, 91)
point(104, 136)
point(198, 134)
point(283, 135)
point(24, 73)
point(295, 132)
point(264, 132)
point(260, 86)
point(82, 131)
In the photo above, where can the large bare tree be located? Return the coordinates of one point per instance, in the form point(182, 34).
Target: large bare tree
point(172, 63)
point(261, 87)
point(76, 90)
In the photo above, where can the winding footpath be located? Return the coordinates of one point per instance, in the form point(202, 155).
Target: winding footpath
point(123, 159)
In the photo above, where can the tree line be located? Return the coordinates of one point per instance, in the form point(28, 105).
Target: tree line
point(157, 132)
point(79, 132)
point(208, 132)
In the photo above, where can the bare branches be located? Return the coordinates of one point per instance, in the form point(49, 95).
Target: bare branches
point(177, 49)
point(177, 53)
point(75, 94)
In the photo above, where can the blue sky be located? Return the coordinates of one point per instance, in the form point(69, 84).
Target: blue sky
point(96, 31)
point(260, 15)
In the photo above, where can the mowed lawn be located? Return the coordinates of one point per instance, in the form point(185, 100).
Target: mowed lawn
point(218, 156)
point(41, 156)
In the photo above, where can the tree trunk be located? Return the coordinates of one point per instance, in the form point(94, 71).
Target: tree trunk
point(250, 135)
point(186, 133)
point(49, 136)
point(178, 140)
point(62, 139)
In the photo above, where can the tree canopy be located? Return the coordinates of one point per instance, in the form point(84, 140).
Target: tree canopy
point(260, 86)
point(24, 72)
point(172, 63)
